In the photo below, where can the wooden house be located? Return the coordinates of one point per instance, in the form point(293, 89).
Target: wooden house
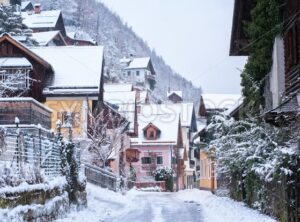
point(67, 79)
point(34, 71)
point(282, 86)
point(175, 96)
point(42, 21)
point(50, 38)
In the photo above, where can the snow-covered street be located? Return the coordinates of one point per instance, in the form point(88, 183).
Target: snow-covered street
point(186, 206)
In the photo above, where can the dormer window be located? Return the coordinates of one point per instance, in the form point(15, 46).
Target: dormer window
point(151, 132)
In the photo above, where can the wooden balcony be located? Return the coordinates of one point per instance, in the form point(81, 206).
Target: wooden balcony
point(292, 80)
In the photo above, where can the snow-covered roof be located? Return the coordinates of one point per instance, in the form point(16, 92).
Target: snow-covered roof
point(45, 19)
point(125, 102)
point(24, 4)
point(178, 93)
point(139, 63)
point(118, 87)
point(7, 62)
point(220, 101)
point(185, 110)
point(81, 35)
point(235, 106)
point(43, 38)
point(164, 122)
point(73, 66)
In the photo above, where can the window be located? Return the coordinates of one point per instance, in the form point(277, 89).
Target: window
point(137, 73)
point(128, 73)
point(72, 118)
point(146, 160)
point(151, 134)
point(159, 160)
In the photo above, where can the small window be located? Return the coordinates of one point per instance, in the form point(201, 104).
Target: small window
point(159, 160)
point(128, 73)
point(146, 160)
point(137, 73)
point(151, 134)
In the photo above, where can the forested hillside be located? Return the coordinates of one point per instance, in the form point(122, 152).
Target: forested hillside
point(120, 41)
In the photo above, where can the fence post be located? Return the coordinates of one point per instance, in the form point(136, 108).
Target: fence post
point(40, 145)
point(17, 121)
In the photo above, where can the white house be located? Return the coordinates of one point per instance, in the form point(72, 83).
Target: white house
point(139, 72)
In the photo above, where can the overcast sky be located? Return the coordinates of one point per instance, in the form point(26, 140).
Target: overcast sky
point(193, 36)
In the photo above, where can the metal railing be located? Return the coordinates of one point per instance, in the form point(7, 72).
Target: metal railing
point(26, 157)
point(102, 177)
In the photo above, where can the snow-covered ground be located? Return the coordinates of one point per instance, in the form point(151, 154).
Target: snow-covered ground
point(186, 206)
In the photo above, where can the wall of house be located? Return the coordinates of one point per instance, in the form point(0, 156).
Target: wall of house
point(208, 179)
point(140, 80)
point(77, 106)
point(144, 171)
point(277, 73)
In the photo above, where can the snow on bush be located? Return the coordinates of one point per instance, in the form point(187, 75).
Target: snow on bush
point(252, 156)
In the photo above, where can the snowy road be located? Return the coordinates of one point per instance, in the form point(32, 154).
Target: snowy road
point(160, 207)
point(184, 206)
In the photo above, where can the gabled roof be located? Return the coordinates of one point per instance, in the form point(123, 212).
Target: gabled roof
point(126, 103)
point(45, 19)
point(220, 101)
point(151, 125)
point(73, 66)
point(178, 93)
point(140, 63)
point(24, 49)
point(185, 110)
point(164, 122)
point(44, 38)
point(24, 4)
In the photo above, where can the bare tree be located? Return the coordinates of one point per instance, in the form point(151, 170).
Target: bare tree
point(105, 132)
point(15, 84)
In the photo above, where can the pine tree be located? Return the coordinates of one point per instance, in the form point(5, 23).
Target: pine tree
point(10, 22)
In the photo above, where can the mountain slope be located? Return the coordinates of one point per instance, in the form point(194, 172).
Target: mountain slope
point(120, 41)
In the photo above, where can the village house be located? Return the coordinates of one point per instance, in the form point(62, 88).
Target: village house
point(188, 128)
point(50, 38)
point(283, 82)
point(175, 96)
point(156, 145)
point(58, 78)
point(79, 39)
point(139, 72)
point(76, 86)
point(42, 21)
point(211, 104)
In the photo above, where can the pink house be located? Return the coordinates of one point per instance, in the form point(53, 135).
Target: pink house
point(159, 143)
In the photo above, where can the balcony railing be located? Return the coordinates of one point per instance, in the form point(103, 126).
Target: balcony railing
point(293, 80)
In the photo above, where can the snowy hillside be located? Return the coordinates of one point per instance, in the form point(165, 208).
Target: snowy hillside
point(108, 29)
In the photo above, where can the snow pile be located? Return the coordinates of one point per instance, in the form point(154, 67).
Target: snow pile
point(221, 208)
point(149, 189)
point(102, 203)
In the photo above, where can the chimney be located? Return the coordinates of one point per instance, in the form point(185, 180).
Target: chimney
point(37, 8)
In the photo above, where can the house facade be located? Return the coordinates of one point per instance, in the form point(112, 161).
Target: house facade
point(158, 146)
point(139, 71)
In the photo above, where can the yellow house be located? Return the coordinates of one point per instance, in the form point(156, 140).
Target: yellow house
point(208, 177)
point(76, 86)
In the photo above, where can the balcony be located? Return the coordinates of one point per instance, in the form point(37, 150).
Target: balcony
point(151, 77)
point(292, 80)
